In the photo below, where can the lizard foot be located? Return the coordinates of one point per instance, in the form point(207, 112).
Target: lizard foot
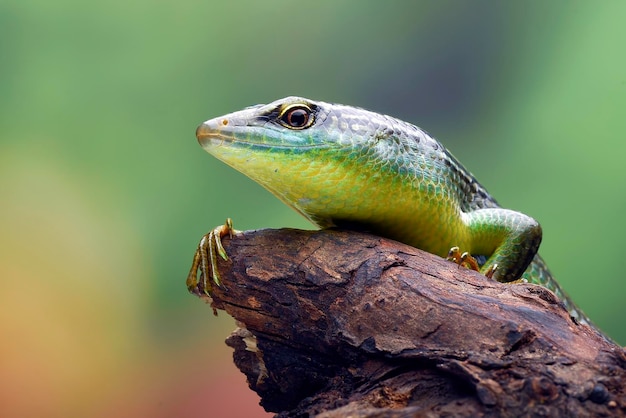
point(466, 259)
point(205, 260)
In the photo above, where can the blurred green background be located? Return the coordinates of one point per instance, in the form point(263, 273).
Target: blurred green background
point(105, 192)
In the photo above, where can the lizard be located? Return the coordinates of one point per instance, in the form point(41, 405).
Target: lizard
point(347, 167)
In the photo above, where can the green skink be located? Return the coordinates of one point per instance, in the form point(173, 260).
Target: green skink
point(347, 167)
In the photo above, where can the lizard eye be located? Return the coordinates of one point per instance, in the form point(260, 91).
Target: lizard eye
point(296, 117)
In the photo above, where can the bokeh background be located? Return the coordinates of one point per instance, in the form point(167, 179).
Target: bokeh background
point(104, 191)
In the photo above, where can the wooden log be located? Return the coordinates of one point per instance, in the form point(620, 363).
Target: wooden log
point(338, 323)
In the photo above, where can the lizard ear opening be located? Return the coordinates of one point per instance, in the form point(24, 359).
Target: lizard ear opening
point(297, 116)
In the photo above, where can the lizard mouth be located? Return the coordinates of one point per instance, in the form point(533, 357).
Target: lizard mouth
point(208, 131)
point(220, 132)
point(214, 133)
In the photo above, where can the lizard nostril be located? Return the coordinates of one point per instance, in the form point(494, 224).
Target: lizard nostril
point(225, 122)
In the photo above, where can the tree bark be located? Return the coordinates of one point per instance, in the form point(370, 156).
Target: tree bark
point(337, 324)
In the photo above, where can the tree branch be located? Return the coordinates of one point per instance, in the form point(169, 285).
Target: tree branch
point(349, 324)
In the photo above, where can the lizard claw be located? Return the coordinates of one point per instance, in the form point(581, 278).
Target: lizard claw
point(491, 270)
point(462, 259)
point(205, 260)
point(467, 260)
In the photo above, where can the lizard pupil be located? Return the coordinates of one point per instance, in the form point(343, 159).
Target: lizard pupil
point(297, 117)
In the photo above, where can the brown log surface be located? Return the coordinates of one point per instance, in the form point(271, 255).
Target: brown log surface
point(338, 324)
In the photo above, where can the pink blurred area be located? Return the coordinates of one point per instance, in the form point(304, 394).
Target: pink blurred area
point(202, 389)
point(77, 309)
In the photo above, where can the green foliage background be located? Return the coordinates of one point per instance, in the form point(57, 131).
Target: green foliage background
point(104, 191)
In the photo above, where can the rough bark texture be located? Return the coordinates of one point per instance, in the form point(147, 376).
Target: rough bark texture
point(339, 324)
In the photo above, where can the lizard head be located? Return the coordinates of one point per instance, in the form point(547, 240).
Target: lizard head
point(281, 126)
point(321, 159)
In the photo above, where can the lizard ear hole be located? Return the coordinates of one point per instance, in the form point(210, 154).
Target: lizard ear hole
point(296, 117)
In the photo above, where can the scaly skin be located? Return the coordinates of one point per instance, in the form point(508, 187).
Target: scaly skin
point(347, 167)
